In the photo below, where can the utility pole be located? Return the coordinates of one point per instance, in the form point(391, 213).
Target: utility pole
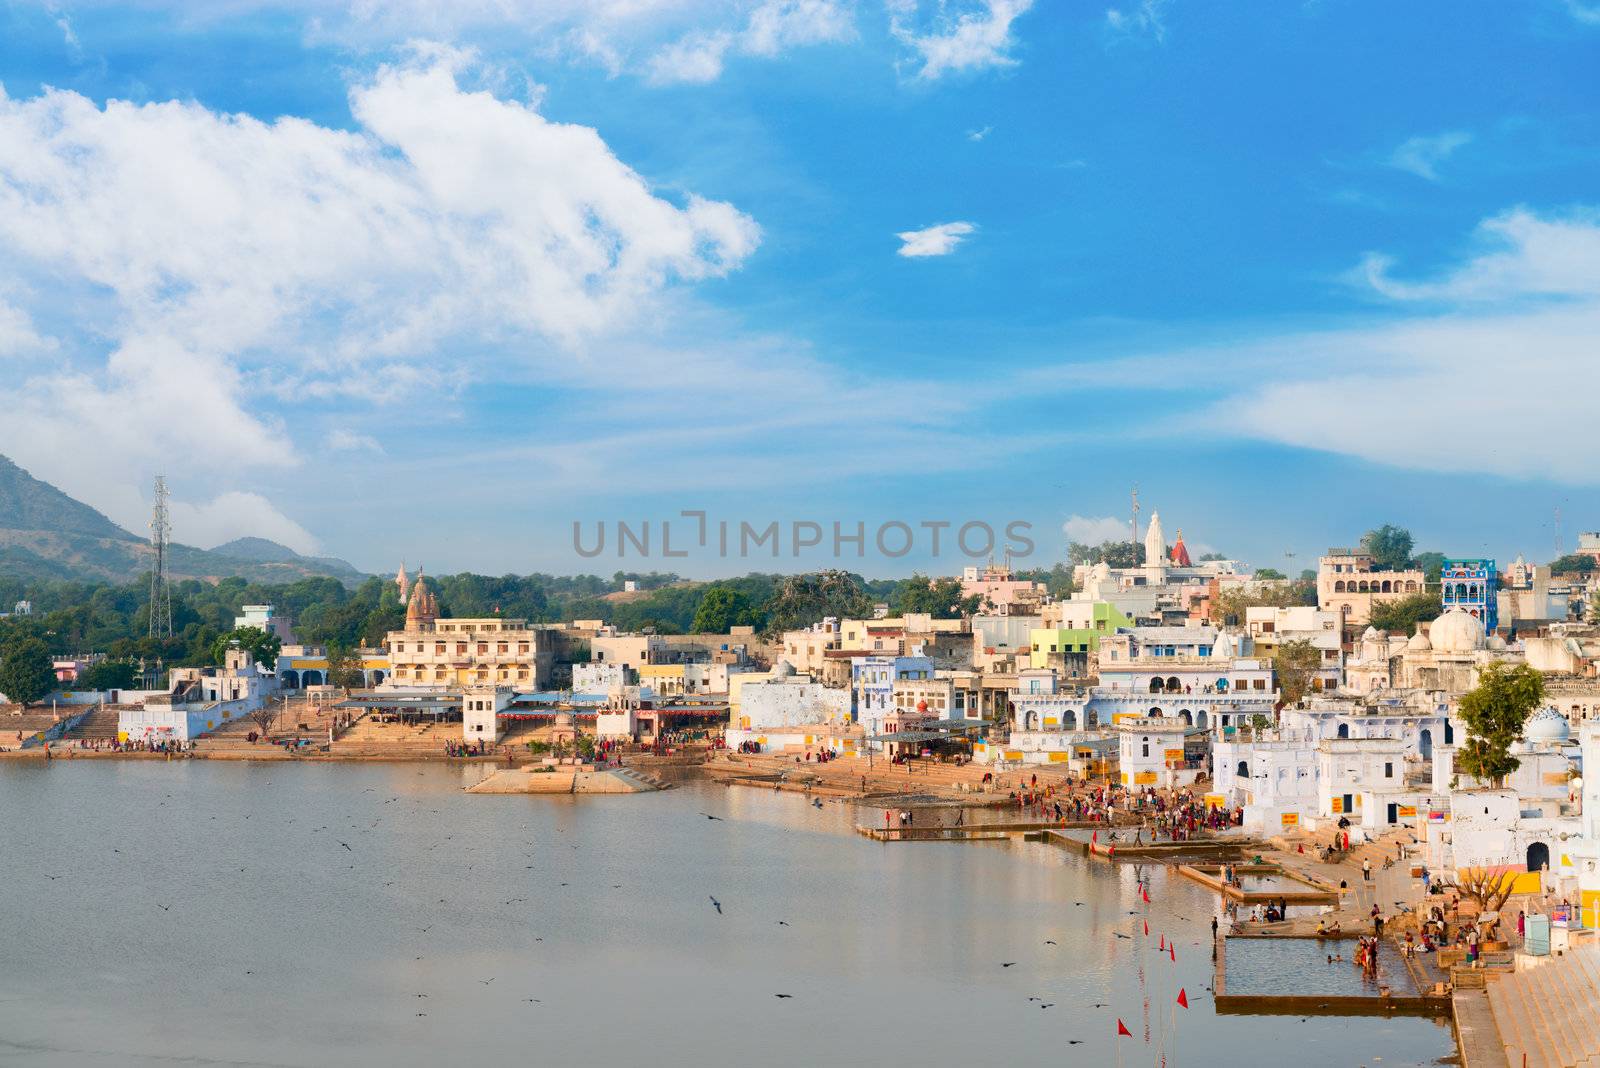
point(160, 584)
point(1133, 532)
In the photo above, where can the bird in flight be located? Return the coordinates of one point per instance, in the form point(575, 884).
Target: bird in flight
point(709, 816)
point(487, 981)
point(716, 905)
point(163, 908)
point(347, 847)
point(1048, 942)
point(1007, 964)
point(783, 995)
point(783, 923)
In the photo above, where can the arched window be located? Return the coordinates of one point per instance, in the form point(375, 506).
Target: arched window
point(1155, 686)
point(1411, 586)
point(1243, 770)
point(1154, 713)
point(1173, 685)
point(1386, 587)
point(1338, 587)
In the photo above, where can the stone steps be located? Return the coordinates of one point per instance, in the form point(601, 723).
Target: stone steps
point(1549, 1013)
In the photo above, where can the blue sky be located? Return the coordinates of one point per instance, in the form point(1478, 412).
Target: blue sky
point(438, 283)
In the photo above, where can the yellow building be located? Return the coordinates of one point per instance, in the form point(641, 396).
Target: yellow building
point(438, 652)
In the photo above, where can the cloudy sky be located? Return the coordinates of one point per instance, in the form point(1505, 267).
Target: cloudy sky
point(434, 281)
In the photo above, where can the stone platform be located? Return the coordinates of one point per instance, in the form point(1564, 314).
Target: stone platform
point(539, 779)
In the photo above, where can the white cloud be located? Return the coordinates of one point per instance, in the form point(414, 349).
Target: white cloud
point(1476, 386)
point(977, 39)
point(938, 240)
point(1146, 20)
point(1588, 14)
point(18, 336)
point(342, 440)
point(1421, 156)
point(773, 28)
point(979, 135)
point(1527, 256)
point(237, 515)
point(198, 252)
point(1093, 530)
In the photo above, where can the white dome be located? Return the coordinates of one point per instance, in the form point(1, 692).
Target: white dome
point(1371, 633)
point(1419, 643)
point(782, 669)
point(1226, 647)
point(1457, 631)
point(1547, 725)
point(1496, 642)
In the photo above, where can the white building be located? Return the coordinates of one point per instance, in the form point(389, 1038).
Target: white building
point(201, 699)
point(1163, 753)
point(785, 699)
point(480, 712)
point(602, 677)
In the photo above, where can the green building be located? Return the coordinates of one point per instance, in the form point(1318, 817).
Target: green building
point(1092, 621)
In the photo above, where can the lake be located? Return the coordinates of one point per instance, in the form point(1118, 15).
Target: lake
point(229, 913)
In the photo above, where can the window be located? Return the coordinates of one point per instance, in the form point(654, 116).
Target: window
point(1146, 748)
point(1388, 770)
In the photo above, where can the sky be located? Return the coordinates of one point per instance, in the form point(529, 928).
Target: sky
point(469, 284)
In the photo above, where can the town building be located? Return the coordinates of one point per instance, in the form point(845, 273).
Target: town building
point(1000, 592)
point(1348, 585)
point(1160, 752)
point(265, 617)
point(1472, 585)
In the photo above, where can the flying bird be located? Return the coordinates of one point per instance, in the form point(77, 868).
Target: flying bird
point(1007, 964)
point(709, 816)
point(716, 905)
point(783, 923)
point(1048, 942)
point(783, 995)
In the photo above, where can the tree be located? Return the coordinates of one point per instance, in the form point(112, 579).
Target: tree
point(1572, 564)
point(721, 608)
point(1295, 663)
point(1430, 564)
point(1390, 547)
point(801, 600)
point(1208, 557)
point(262, 717)
point(108, 675)
point(1489, 887)
point(344, 667)
point(1057, 581)
point(261, 644)
point(27, 673)
point(939, 598)
point(1110, 553)
point(1230, 603)
point(1494, 712)
point(1406, 612)
point(1270, 573)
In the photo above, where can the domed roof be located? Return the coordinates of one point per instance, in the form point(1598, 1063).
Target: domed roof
point(782, 669)
point(1419, 643)
point(1371, 633)
point(1496, 642)
point(564, 719)
point(1457, 631)
point(1226, 647)
point(1547, 725)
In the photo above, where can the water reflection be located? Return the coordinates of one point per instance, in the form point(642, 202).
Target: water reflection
point(291, 914)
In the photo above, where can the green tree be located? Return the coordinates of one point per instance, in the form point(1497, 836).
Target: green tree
point(1110, 553)
point(801, 600)
point(1295, 663)
point(344, 666)
point(721, 608)
point(1405, 613)
point(1229, 605)
point(261, 644)
point(1270, 573)
point(109, 675)
point(1057, 581)
point(26, 671)
point(1572, 564)
point(1494, 712)
point(1430, 564)
point(940, 598)
point(1390, 547)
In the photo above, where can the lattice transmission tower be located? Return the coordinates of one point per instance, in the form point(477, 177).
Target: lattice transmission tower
point(160, 582)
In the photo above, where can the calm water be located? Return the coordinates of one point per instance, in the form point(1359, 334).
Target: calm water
point(210, 913)
point(1301, 966)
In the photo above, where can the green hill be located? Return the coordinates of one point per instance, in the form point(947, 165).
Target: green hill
point(45, 534)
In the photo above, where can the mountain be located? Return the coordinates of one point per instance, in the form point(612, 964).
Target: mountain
point(45, 534)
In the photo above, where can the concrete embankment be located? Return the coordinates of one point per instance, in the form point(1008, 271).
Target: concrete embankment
point(534, 779)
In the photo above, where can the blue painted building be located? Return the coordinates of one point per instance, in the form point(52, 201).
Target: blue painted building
point(872, 684)
point(1473, 585)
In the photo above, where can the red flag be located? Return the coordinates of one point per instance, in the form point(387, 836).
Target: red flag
point(1122, 1030)
point(1095, 837)
point(1111, 852)
point(1147, 928)
point(1183, 997)
point(1163, 944)
point(1146, 891)
point(1172, 951)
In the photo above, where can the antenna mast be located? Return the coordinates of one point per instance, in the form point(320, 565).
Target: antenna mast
point(160, 583)
point(1134, 530)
